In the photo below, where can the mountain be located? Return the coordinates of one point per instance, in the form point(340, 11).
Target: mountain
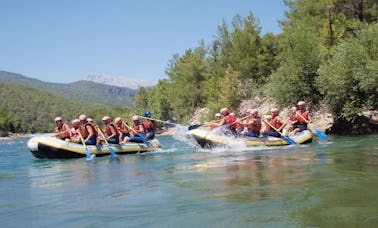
point(119, 81)
point(26, 109)
point(87, 91)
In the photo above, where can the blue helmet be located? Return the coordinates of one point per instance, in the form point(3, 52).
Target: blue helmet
point(146, 114)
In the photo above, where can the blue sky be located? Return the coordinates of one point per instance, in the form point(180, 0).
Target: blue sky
point(65, 40)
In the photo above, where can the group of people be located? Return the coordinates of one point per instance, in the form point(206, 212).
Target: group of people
point(84, 131)
point(251, 124)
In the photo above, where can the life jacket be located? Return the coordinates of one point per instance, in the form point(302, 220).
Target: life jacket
point(136, 127)
point(64, 128)
point(305, 115)
point(276, 122)
point(84, 132)
point(108, 130)
point(293, 117)
point(255, 123)
point(229, 119)
point(149, 125)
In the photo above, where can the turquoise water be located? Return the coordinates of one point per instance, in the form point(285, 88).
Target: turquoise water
point(322, 184)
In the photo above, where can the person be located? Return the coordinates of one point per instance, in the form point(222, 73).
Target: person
point(303, 117)
point(62, 130)
point(87, 131)
point(74, 136)
point(149, 125)
point(277, 124)
point(228, 120)
point(292, 122)
point(122, 129)
point(110, 133)
point(217, 119)
point(137, 129)
point(252, 123)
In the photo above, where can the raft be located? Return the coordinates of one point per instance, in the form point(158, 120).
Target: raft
point(52, 147)
point(207, 139)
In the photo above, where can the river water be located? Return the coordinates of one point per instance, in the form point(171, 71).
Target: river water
point(322, 184)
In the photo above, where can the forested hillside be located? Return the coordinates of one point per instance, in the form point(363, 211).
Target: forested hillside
point(326, 55)
point(81, 90)
point(28, 110)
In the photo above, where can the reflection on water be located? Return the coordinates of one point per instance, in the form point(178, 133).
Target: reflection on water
point(323, 184)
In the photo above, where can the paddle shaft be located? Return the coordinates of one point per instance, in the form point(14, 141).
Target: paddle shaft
point(102, 134)
point(138, 133)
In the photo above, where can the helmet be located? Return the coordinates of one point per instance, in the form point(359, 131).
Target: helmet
point(58, 118)
point(105, 118)
point(248, 111)
point(82, 117)
point(217, 115)
point(224, 111)
point(75, 121)
point(89, 119)
point(293, 109)
point(117, 120)
point(301, 103)
point(275, 110)
point(232, 114)
point(135, 118)
point(147, 114)
point(254, 111)
point(268, 117)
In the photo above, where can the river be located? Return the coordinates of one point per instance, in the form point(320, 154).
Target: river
point(322, 184)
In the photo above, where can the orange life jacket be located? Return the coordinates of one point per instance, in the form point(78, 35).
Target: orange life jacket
point(108, 130)
point(305, 115)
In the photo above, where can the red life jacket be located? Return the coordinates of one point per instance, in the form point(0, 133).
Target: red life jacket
point(137, 128)
point(255, 123)
point(84, 132)
point(64, 128)
point(276, 122)
point(149, 124)
point(230, 120)
point(108, 130)
point(305, 115)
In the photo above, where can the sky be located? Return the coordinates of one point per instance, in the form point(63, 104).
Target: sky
point(65, 40)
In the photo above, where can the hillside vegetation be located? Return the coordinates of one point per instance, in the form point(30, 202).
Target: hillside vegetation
point(28, 110)
point(326, 55)
point(81, 90)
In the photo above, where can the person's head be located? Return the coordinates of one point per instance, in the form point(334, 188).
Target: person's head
point(274, 112)
point(218, 116)
point(224, 111)
point(293, 109)
point(254, 112)
point(75, 123)
point(118, 120)
point(106, 119)
point(83, 118)
point(301, 105)
point(268, 118)
point(147, 114)
point(58, 121)
point(89, 120)
point(135, 119)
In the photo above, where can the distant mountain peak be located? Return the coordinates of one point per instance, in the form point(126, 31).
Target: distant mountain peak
point(119, 81)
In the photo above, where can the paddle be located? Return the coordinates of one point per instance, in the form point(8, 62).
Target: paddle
point(191, 127)
point(149, 118)
point(112, 153)
point(138, 133)
point(89, 156)
point(318, 132)
point(287, 138)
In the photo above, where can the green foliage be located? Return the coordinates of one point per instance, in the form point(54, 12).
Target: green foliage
point(295, 79)
point(30, 110)
point(349, 80)
point(4, 123)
